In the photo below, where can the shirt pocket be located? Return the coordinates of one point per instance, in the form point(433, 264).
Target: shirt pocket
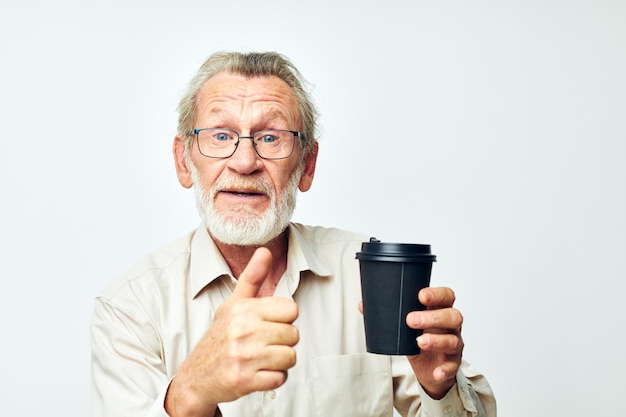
point(352, 385)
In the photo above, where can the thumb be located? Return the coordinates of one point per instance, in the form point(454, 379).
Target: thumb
point(254, 274)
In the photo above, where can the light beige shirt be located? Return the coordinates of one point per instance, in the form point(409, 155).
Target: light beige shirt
point(149, 319)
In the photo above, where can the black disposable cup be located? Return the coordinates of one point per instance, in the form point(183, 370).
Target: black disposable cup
point(391, 276)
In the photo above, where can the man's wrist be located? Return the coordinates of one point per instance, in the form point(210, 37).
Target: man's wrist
point(450, 401)
point(438, 391)
point(181, 403)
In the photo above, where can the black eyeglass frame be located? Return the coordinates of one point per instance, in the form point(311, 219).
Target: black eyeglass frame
point(295, 133)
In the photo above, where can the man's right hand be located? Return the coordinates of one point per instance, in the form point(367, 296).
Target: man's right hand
point(248, 348)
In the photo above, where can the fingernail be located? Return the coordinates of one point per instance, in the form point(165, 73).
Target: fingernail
point(416, 320)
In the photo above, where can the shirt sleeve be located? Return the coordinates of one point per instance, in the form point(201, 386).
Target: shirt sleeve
point(471, 396)
point(128, 372)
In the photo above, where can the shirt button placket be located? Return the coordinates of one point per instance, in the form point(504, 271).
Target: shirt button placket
point(269, 403)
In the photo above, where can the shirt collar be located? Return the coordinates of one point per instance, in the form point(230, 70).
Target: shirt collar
point(302, 253)
point(207, 263)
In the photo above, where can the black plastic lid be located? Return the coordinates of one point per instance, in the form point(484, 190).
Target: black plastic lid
point(375, 250)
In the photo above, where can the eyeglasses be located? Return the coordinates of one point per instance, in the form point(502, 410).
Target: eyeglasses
point(268, 144)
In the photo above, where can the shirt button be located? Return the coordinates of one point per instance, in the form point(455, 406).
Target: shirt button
point(272, 394)
point(447, 409)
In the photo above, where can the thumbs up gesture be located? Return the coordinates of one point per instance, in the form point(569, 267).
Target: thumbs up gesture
point(248, 348)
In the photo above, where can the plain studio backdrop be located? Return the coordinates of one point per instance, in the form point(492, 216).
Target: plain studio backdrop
point(493, 130)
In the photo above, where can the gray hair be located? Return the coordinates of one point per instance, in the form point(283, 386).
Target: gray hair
point(253, 64)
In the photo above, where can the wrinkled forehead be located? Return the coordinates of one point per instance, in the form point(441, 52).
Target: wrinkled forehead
point(224, 91)
point(237, 86)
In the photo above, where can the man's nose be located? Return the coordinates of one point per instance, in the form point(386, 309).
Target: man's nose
point(245, 160)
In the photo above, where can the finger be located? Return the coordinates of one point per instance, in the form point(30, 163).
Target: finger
point(445, 371)
point(437, 297)
point(276, 358)
point(268, 380)
point(272, 365)
point(360, 306)
point(450, 344)
point(446, 318)
point(279, 334)
point(254, 274)
point(277, 309)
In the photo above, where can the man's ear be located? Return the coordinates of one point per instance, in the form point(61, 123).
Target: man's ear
point(309, 169)
point(182, 164)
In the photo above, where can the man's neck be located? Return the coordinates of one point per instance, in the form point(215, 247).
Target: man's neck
point(237, 257)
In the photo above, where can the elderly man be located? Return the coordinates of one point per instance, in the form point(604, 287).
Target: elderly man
point(250, 314)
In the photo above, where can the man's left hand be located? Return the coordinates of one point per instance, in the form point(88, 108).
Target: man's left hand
point(441, 344)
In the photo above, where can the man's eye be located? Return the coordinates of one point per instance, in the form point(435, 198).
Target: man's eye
point(221, 136)
point(268, 138)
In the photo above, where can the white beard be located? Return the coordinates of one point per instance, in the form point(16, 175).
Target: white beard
point(241, 225)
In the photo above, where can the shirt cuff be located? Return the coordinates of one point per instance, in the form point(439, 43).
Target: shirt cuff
point(459, 401)
point(158, 407)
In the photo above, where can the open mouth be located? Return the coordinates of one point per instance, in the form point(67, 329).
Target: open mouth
point(245, 193)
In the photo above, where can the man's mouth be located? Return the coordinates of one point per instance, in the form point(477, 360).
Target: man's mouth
point(245, 189)
point(244, 193)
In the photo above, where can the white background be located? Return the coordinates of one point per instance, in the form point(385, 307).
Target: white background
point(493, 130)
